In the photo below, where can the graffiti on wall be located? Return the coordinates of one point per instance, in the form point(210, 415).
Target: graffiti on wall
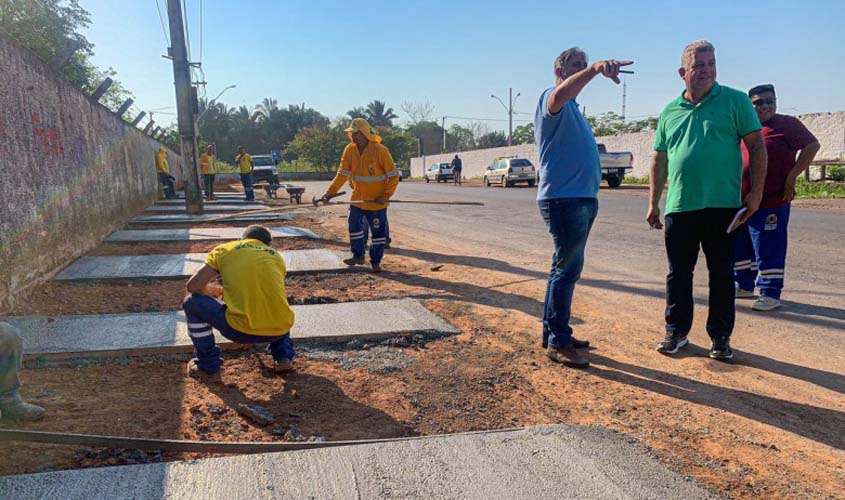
point(48, 139)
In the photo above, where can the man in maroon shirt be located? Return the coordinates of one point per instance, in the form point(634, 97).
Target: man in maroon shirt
point(761, 243)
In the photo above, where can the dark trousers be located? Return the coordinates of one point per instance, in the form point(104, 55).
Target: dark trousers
point(685, 233)
point(167, 185)
point(204, 312)
point(569, 221)
point(208, 181)
point(457, 173)
point(246, 180)
point(376, 221)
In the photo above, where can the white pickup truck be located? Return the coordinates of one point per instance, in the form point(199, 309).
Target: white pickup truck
point(614, 165)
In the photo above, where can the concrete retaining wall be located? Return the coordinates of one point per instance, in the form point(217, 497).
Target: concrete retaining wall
point(70, 171)
point(828, 127)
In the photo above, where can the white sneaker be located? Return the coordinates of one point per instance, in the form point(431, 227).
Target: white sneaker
point(764, 303)
point(742, 293)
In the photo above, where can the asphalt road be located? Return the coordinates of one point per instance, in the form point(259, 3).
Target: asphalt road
point(626, 261)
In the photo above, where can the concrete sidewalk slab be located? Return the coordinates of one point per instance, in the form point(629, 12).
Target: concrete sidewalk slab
point(541, 463)
point(198, 234)
point(157, 333)
point(183, 265)
point(207, 208)
point(221, 201)
point(201, 218)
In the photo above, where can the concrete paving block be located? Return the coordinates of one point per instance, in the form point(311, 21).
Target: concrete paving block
point(222, 201)
point(200, 218)
point(541, 463)
point(199, 234)
point(156, 333)
point(207, 208)
point(183, 265)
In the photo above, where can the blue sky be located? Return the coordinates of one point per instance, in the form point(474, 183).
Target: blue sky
point(335, 55)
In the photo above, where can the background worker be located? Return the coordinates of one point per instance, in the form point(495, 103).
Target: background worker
point(12, 406)
point(367, 166)
point(163, 171)
point(457, 169)
point(761, 243)
point(245, 167)
point(208, 169)
point(254, 308)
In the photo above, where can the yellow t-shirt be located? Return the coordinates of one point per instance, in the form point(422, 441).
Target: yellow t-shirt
point(253, 287)
point(208, 164)
point(245, 164)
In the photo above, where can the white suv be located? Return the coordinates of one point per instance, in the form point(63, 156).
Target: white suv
point(439, 172)
point(509, 171)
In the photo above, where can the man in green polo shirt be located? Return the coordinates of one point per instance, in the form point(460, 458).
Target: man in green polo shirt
point(697, 147)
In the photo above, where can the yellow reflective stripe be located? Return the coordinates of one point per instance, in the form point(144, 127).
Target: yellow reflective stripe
point(369, 178)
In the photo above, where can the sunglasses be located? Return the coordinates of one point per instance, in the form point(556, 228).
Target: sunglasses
point(760, 102)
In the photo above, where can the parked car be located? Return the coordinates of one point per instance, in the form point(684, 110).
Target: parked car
point(264, 169)
point(439, 172)
point(614, 165)
point(509, 171)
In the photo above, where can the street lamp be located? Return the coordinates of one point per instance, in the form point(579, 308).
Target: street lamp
point(511, 101)
point(207, 106)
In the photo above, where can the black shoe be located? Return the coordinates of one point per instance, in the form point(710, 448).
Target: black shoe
point(721, 348)
point(576, 343)
point(672, 342)
point(568, 357)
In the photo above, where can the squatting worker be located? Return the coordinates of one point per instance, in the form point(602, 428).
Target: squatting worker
point(697, 147)
point(245, 167)
point(367, 166)
point(208, 169)
point(254, 309)
point(761, 243)
point(163, 172)
point(12, 406)
point(570, 173)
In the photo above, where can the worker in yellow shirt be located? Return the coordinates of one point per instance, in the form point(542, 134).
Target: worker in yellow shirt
point(245, 166)
point(367, 166)
point(208, 168)
point(163, 172)
point(254, 309)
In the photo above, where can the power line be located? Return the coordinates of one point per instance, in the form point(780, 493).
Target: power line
point(161, 18)
point(484, 119)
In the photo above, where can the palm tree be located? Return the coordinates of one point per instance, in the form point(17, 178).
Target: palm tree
point(357, 112)
point(379, 115)
point(266, 109)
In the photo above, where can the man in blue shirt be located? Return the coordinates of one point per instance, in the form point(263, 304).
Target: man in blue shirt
point(570, 173)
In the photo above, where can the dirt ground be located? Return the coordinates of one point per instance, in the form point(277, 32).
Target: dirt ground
point(493, 375)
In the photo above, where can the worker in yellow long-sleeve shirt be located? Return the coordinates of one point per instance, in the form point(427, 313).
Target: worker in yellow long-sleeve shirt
point(208, 169)
point(367, 166)
point(163, 172)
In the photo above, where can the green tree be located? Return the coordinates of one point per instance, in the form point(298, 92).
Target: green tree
point(524, 134)
point(494, 139)
point(402, 145)
point(320, 146)
point(459, 138)
point(46, 27)
point(357, 112)
point(430, 135)
point(379, 115)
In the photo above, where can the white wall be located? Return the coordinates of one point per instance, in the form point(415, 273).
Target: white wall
point(829, 128)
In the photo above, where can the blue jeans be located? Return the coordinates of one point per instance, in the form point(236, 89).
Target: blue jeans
point(203, 312)
point(11, 356)
point(761, 251)
point(246, 180)
point(377, 222)
point(569, 221)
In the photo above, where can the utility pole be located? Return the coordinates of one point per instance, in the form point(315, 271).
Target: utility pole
point(509, 109)
point(624, 97)
point(185, 108)
point(443, 126)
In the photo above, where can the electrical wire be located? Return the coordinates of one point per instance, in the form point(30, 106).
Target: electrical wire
point(161, 18)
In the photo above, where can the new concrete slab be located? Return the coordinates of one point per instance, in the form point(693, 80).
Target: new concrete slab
point(541, 463)
point(155, 333)
point(198, 234)
point(183, 265)
point(208, 208)
point(219, 201)
point(200, 218)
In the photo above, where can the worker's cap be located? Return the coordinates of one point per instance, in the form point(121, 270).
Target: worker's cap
point(361, 125)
